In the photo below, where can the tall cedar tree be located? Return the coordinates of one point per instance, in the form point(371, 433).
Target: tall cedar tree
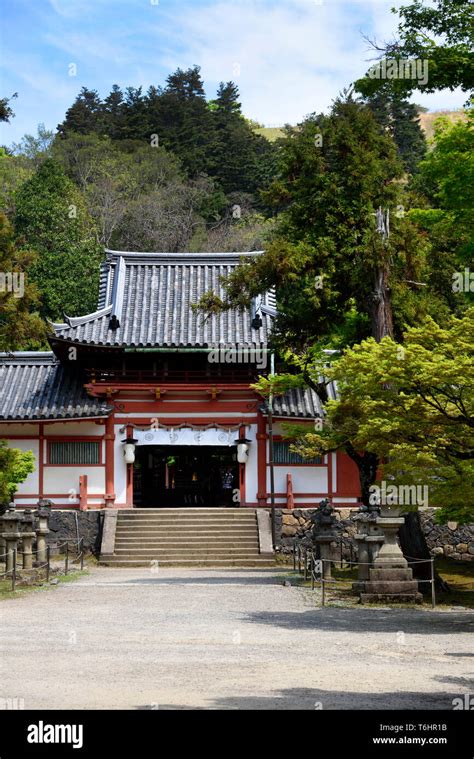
point(400, 118)
point(52, 217)
point(20, 325)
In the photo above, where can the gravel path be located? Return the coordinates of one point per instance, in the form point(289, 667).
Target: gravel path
point(231, 639)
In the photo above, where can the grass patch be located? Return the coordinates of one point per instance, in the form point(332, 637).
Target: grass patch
point(6, 592)
point(460, 577)
point(458, 574)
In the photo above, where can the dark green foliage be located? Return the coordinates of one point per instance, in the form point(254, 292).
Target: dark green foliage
point(440, 33)
point(326, 254)
point(211, 138)
point(52, 217)
point(400, 118)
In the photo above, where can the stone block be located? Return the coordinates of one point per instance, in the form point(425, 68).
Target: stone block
point(392, 575)
point(392, 587)
point(461, 548)
point(388, 598)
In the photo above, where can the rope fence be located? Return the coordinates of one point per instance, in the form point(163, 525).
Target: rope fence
point(307, 564)
point(16, 572)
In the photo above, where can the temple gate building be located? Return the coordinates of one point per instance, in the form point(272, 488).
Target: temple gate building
point(142, 403)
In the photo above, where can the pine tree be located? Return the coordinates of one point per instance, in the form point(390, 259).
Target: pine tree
point(85, 115)
point(52, 217)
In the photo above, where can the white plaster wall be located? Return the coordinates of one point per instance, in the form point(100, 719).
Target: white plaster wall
point(63, 479)
point(19, 429)
point(74, 429)
point(305, 479)
point(31, 484)
point(251, 467)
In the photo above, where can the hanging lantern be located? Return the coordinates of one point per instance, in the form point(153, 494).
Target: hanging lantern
point(242, 449)
point(129, 450)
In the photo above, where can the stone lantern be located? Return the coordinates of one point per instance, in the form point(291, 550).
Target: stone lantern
point(369, 538)
point(27, 536)
point(390, 579)
point(43, 514)
point(3, 508)
point(323, 534)
point(11, 534)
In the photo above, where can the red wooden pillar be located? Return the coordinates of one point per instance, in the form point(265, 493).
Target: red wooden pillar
point(129, 475)
point(109, 461)
point(41, 462)
point(262, 438)
point(83, 492)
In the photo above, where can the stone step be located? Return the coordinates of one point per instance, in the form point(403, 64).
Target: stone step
point(188, 545)
point(391, 598)
point(191, 563)
point(188, 520)
point(183, 534)
point(177, 554)
point(391, 587)
point(186, 513)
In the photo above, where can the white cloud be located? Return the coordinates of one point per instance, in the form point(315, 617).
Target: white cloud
point(289, 58)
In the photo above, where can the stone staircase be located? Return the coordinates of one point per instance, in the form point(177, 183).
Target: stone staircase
point(191, 537)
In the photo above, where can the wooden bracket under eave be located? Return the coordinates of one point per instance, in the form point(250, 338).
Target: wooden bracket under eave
point(158, 393)
point(214, 392)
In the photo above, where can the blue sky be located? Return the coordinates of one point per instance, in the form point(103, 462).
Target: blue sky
point(289, 57)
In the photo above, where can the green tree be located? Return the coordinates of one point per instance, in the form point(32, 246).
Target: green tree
point(440, 33)
point(52, 216)
point(6, 111)
point(334, 271)
point(14, 171)
point(15, 466)
point(20, 325)
point(411, 406)
point(400, 117)
point(244, 161)
point(447, 178)
point(85, 115)
point(35, 148)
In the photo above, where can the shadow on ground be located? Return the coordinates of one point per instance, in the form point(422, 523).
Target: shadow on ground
point(354, 620)
point(315, 700)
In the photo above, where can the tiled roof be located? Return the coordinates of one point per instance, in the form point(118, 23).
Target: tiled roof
point(300, 403)
point(152, 296)
point(34, 386)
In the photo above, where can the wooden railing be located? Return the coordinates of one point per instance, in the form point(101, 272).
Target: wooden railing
point(247, 374)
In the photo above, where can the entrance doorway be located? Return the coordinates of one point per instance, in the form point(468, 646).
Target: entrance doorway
point(185, 476)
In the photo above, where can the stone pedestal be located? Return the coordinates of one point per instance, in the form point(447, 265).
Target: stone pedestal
point(27, 537)
point(323, 543)
point(369, 539)
point(323, 534)
point(43, 513)
point(390, 579)
point(11, 534)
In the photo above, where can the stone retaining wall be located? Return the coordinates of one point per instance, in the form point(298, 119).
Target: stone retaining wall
point(451, 539)
point(65, 525)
